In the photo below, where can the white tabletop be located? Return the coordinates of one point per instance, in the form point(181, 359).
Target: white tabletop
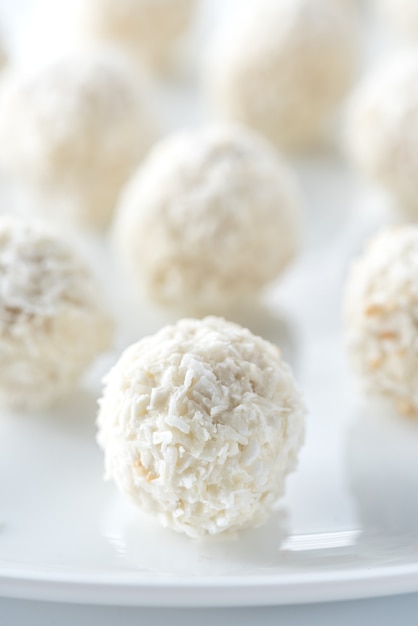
point(384, 611)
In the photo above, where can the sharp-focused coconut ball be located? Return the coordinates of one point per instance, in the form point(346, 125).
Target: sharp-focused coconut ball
point(74, 131)
point(200, 424)
point(209, 219)
point(52, 320)
point(382, 129)
point(403, 14)
point(148, 29)
point(283, 68)
point(381, 317)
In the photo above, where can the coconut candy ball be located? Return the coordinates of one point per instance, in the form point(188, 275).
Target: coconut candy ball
point(52, 320)
point(200, 424)
point(3, 55)
point(148, 29)
point(74, 131)
point(284, 67)
point(209, 219)
point(382, 130)
point(402, 14)
point(381, 313)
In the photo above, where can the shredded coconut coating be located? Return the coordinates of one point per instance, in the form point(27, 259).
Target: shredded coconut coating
point(52, 323)
point(209, 219)
point(147, 29)
point(382, 129)
point(200, 424)
point(402, 14)
point(284, 67)
point(74, 132)
point(381, 315)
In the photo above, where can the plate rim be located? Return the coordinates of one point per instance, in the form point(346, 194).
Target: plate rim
point(229, 591)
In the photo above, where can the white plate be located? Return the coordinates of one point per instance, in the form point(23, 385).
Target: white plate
point(349, 523)
point(348, 527)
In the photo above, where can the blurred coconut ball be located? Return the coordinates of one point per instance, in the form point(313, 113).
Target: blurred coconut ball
point(401, 14)
point(53, 322)
point(381, 304)
point(3, 55)
point(208, 220)
point(74, 131)
point(200, 425)
point(148, 29)
point(283, 68)
point(382, 129)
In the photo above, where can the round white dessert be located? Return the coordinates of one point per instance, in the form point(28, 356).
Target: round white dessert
point(401, 14)
point(382, 129)
point(200, 424)
point(74, 131)
point(3, 55)
point(148, 29)
point(52, 321)
point(381, 313)
point(209, 219)
point(283, 68)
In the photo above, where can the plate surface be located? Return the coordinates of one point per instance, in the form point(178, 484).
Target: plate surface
point(348, 526)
